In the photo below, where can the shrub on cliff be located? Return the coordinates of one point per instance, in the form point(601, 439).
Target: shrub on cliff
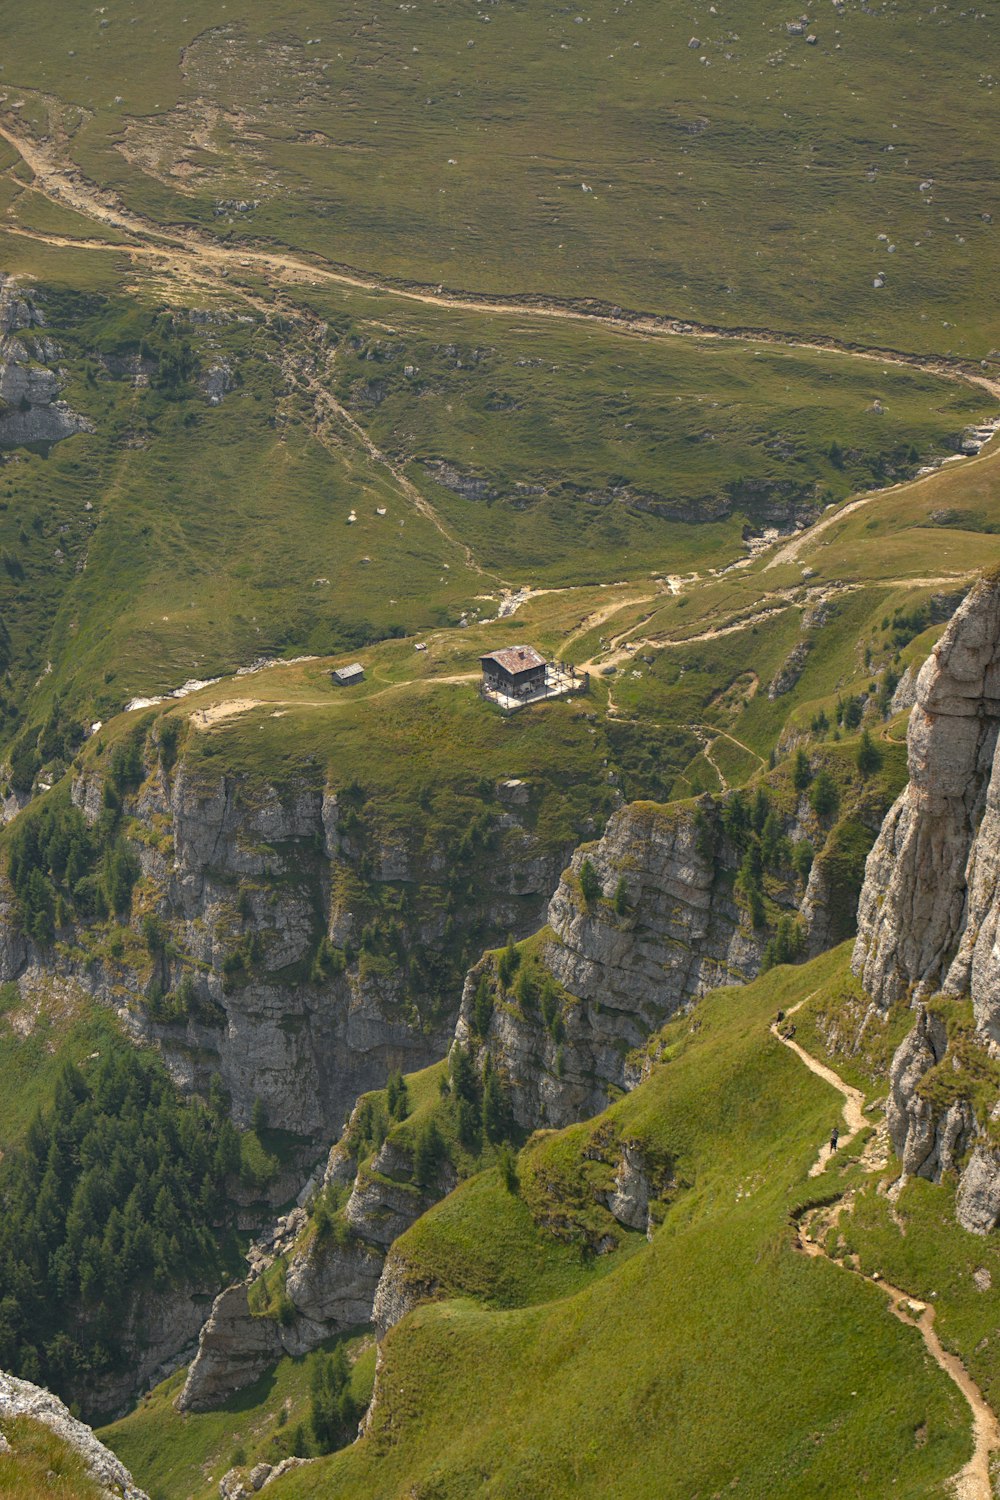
point(590, 883)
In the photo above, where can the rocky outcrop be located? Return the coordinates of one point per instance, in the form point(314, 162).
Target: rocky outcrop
point(905, 692)
point(912, 912)
point(398, 1292)
point(329, 1288)
point(930, 909)
point(450, 477)
point(30, 408)
point(790, 671)
point(629, 1201)
point(242, 1484)
point(928, 1142)
point(681, 931)
point(977, 1205)
point(19, 1398)
point(975, 969)
point(666, 928)
point(235, 1348)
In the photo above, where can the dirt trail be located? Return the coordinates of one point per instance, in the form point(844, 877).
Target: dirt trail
point(973, 1481)
point(722, 734)
point(323, 399)
point(854, 1099)
point(708, 743)
point(66, 185)
point(790, 552)
point(601, 616)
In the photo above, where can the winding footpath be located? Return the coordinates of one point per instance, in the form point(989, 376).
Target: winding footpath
point(192, 252)
point(972, 1482)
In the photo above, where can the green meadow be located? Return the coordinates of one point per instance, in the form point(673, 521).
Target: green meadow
point(706, 163)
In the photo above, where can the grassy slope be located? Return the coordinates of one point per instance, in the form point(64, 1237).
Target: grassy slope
point(804, 1389)
point(38, 1034)
point(218, 534)
point(41, 1465)
point(425, 143)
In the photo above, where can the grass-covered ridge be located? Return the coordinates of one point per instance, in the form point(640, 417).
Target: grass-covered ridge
point(38, 1462)
point(804, 1387)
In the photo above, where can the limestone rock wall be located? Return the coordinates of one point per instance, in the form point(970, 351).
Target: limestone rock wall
point(912, 912)
point(682, 932)
point(30, 408)
point(930, 906)
point(247, 880)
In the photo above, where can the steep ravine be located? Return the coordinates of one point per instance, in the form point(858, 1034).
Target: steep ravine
point(668, 924)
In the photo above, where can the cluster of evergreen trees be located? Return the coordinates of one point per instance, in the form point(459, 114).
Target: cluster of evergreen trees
point(333, 1411)
point(117, 1185)
point(60, 868)
point(481, 1107)
point(58, 739)
point(532, 987)
point(756, 829)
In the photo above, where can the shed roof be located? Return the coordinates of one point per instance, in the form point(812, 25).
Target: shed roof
point(515, 658)
point(344, 674)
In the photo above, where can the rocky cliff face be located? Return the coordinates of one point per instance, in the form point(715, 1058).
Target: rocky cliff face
point(913, 909)
point(261, 971)
point(30, 408)
point(928, 915)
point(666, 928)
point(667, 925)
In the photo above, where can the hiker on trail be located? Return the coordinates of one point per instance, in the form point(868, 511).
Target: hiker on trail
point(779, 1018)
point(834, 1138)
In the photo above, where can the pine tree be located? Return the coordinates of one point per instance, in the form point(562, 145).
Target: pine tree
point(482, 1004)
point(824, 799)
point(802, 770)
point(869, 756)
point(508, 962)
point(802, 858)
point(495, 1112)
point(736, 819)
point(760, 809)
point(427, 1155)
point(771, 840)
point(590, 883)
